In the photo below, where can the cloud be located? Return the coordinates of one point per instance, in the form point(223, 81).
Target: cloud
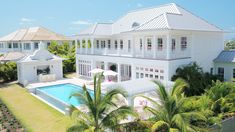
point(233, 28)
point(81, 22)
point(25, 20)
point(139, 5)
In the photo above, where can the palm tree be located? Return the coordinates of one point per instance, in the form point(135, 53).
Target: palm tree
point(103, 110)
point(168, 113)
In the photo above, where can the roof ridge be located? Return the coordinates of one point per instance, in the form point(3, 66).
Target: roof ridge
point(148, 8)
point(94, 28)
point(149, 21)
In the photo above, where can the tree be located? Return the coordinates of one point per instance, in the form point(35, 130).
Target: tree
point(65, 51)
point(230, 45)
point(198, 80)
point(168, 111)
point(8, 71)
point(104, 112)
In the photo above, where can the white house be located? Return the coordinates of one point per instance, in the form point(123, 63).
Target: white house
point(41, 66)
point(225, 65)
point(149, 43)
point(27, 40)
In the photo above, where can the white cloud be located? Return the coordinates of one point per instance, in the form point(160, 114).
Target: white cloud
point(139, 5)
point(25, 20)
point(81, 22)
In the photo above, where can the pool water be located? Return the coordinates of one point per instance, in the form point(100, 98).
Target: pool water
point(62, 92)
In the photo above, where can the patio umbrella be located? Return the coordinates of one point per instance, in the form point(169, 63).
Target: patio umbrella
point(96, 70)
point(110, 73)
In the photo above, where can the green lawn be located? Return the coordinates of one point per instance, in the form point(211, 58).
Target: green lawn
point(33, 114)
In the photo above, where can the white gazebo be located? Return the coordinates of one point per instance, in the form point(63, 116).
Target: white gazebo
point(41, 66)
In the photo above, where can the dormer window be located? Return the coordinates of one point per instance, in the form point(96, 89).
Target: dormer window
point(135, 24)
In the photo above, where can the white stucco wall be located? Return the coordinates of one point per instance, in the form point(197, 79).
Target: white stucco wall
point(28, 71)
point(206, 46)
point(228, 70)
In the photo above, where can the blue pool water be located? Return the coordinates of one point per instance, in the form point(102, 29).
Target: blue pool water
point(62, 92)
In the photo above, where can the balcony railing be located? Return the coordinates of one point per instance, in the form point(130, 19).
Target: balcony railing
point(160, 53)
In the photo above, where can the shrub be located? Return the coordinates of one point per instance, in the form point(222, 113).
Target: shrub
point(8, 71)
point(198, 80)
point(160, 126)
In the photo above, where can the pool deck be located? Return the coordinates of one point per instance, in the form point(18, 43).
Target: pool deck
point(76, 81)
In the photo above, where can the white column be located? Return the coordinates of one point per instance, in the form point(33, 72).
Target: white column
point(168, 45)
point(119, 72)
point(133, 74)
point(105, 47)
point(86, 43)
point(92, 46)
point(32, 46)
point(12, 46)
point(118, 47)
point(80, 41)
point(154, 46)
point(106, 66)
point(133, 46)
point(143, 46)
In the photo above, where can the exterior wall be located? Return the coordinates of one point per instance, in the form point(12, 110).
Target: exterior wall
point(20, 48)
point(28, 71)
point(206, 47)
point(228, 70)
point(165, 68)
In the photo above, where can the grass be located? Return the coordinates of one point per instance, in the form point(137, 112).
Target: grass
point(32, 113)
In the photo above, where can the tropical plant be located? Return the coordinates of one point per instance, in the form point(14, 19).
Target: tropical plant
point(104, 111)
point(8, 71)
point(198, 80)
point(168, 112)
point(67, 51)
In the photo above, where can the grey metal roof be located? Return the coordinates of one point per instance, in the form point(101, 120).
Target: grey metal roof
point(226, 56)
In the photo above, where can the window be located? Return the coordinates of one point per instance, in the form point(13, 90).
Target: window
point(109, 44)
point(97, 44)
point(9, 45)
point(221, 72)
point(141, 75)
point(129, 45)
point(27, 46)
point(15, 45)
point(137, 68)
point(173, 43)
point(35, 45)
point(183, 43)
point(233, 73)
point(137, 75)
point(48, 44)
point(102, 44)
point(116, 44)
point(156, 76)
point(1, 45)
point(151, 75)
point(156, 70)
point(141, 44)
point(121, 44)
point(160, 44)
point(162, 77)
point(211, 71)
point(146, 75)
point(151, 70)
point(146, 69)
point(161, 71)
point(149, 43)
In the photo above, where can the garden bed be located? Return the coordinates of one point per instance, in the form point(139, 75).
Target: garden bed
point(8, 122)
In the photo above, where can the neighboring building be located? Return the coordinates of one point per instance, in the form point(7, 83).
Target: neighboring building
point(41, 66)
point(149, 43)
point(27, 40)
point(12, 56)
point(225, 65)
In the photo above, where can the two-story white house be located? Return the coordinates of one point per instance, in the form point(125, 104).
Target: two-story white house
point(27, 40)
point(149, 43)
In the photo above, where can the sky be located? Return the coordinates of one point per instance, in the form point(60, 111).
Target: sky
point(68, 17)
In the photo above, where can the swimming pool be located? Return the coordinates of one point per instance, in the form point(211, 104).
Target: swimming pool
point(58, 95)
